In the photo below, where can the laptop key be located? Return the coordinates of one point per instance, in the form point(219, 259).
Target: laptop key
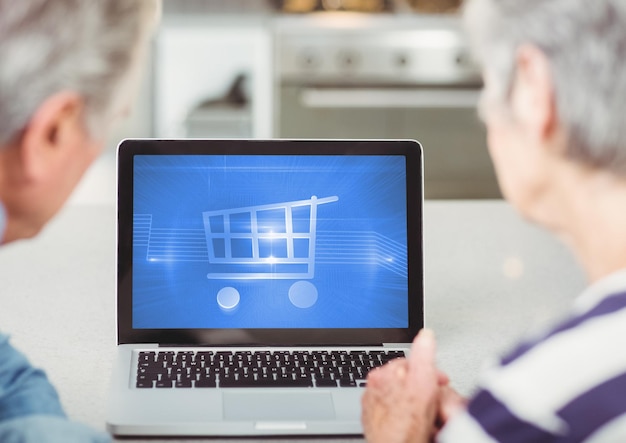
point(347, 383)
point(163, 383)
point(207, 382)
point(251, 383)
point(144, 382)
point(326, 383)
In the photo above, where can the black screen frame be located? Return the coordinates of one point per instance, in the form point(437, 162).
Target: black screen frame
point(128, 149)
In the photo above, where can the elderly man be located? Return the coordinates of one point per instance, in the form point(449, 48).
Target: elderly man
point(555, 107)
point(67, 69)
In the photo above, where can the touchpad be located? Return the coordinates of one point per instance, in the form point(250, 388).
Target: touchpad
point(278, 406)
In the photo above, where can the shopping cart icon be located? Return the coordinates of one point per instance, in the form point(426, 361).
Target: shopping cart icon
point(273, 241)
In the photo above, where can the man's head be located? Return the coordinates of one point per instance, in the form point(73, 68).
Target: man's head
point(67, 73)
point(555, 75)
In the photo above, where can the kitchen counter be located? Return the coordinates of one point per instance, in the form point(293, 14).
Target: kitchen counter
point(489, 277)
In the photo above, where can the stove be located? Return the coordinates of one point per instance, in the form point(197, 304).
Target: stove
point(351, 75)
point(361, 49)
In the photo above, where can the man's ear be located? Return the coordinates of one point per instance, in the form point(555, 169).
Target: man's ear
point(533, 95)
point(53, 130)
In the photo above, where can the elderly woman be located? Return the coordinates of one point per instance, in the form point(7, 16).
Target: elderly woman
point(555, 108)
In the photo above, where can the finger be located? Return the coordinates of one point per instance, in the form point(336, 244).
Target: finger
point(451, 403)
point(442, 378)
point(383, 380)
point(422, 356)
point(384, 385)
point(395, 368)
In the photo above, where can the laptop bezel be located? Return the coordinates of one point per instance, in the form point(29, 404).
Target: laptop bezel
point(129, 148)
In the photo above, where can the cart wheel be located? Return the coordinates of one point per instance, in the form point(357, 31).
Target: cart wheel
point(228, 298)
point(303, 294)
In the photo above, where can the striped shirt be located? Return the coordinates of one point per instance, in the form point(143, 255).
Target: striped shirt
point(568, 385)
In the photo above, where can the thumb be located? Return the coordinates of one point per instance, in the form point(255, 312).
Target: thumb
point(422, 356)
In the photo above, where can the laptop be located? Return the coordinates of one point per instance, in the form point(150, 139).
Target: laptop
point(259, 281)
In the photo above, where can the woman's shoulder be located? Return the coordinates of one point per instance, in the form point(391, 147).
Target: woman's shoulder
point(553, 381)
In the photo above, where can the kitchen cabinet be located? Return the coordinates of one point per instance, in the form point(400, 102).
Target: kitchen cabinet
point(197, 59)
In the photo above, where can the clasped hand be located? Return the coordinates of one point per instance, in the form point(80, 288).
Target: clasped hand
point(408, 400)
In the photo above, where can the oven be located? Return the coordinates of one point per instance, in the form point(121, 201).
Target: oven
point(354, 76)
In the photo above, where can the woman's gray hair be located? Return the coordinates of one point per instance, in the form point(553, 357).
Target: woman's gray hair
point(585, 43)
point(85, 46)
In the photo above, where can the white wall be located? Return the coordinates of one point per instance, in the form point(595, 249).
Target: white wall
point(198, 60)
point(192, 59)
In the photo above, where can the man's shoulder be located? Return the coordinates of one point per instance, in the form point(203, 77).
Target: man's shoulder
point(49, 429)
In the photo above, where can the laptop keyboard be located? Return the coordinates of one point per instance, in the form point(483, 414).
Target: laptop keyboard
point(245, 369)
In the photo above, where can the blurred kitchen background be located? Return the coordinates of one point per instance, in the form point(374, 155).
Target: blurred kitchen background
point(314, 69)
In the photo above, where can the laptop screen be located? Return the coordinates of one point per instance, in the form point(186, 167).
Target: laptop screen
point(269, 240)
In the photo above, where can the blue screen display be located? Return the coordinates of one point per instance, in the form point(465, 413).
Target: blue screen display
point(258, 241)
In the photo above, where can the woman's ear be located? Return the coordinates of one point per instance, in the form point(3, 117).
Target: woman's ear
point(52, 132)
point(533, 95)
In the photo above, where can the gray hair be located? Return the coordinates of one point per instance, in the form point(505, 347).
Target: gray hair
point(585, 43)
point(85, 46)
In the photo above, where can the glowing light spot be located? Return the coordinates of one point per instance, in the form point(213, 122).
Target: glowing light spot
point(228, 298)
point(513, 267)
point(303, 294)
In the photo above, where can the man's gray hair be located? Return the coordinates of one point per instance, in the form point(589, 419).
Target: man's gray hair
point(48, 46)
point(585, 43)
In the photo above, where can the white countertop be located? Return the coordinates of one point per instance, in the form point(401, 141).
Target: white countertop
point(489, 278)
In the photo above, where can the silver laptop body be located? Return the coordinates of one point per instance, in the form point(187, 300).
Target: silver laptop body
point(302, 254)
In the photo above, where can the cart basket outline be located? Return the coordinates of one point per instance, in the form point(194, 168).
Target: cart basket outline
point(297, 259)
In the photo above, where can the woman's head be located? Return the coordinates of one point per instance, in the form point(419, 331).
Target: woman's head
point(584, 46)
